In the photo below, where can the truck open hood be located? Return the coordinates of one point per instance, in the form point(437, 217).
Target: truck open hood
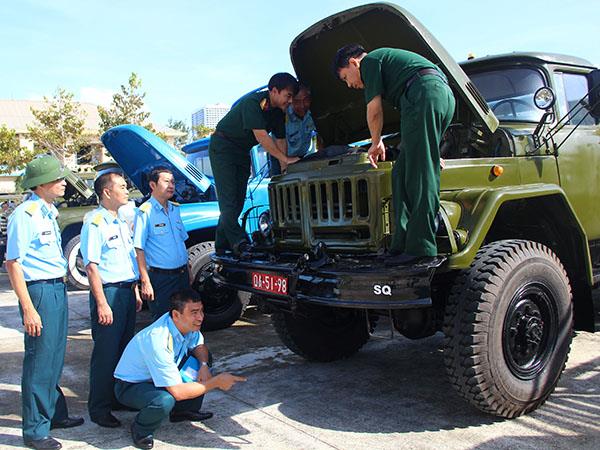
point(340, 112)
point(138, 151)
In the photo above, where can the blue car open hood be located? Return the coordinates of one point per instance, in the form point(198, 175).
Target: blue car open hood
point(138, 151)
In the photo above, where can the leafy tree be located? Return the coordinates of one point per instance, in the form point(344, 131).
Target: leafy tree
point(201, 131)
point(127, 107)
point(180, 126)
point(12, 155)
point(59, 127)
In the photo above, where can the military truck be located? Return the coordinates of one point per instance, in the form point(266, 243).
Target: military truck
point(518, 234)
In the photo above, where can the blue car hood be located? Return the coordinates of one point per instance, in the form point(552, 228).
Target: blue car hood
point(138, 151)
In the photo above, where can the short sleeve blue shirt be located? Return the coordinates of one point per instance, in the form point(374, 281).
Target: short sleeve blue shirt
point(106, 241)
point(34, 240)
point(299, 132)
point(154, 354)
point(161, 235)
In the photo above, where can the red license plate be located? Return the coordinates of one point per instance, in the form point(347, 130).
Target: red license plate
point(270, 283)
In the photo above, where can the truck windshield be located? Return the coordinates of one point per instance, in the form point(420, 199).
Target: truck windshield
point(201, 161)
point(509, 92)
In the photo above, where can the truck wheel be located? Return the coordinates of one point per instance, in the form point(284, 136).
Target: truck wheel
point(320, 333)
point(508, 326)
point(76, 274)
point(222, 306)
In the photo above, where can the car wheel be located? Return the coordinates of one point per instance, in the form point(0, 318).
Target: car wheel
point(76, 274)
point(320, 333)
point(508, 326)
point(222, 306)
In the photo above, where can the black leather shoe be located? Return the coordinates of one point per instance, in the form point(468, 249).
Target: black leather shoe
point(69, 422)
point(144, 442)
point(46, 443)
point(107, 421)
point(191, 416)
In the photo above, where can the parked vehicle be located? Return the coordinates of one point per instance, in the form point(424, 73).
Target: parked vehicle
point(518, 235)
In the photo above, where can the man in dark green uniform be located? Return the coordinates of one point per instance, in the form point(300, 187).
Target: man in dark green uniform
point(421, 93)
point(248, 123)
point(36, 268)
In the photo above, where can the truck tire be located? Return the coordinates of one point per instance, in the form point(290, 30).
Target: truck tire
point(320, 333)
point(508, 326)
point(222, 306)
point(76, 275)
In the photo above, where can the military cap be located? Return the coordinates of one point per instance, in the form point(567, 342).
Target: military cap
point(43, 170)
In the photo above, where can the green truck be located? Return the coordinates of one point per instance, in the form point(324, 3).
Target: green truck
point(518, 234)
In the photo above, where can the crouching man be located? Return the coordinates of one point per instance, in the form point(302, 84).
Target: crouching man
point(148, 376)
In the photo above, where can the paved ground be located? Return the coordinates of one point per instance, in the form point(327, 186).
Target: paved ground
point(392, 394)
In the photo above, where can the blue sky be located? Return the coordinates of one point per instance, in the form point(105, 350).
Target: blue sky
point(193, 52)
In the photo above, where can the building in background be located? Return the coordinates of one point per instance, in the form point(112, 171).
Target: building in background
point(209, 115)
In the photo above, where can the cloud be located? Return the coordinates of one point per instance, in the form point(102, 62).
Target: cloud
point(102, 97)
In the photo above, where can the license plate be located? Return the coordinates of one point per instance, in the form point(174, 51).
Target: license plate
point(274, 284)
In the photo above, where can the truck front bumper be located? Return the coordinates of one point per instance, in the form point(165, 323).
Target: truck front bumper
point(351, 282)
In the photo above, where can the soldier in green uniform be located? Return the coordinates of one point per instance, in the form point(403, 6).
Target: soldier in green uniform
point(36, 268)
point(249, 122)
point(416, 87)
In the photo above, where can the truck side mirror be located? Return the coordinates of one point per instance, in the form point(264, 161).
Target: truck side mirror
point(594, 93)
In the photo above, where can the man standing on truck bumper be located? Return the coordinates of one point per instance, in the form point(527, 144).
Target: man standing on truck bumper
point(159, 240)
point(417, 88)
point(36, 269)
point(246, 124)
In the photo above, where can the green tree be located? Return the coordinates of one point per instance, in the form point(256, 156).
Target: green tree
point(180, 126)
point(127, 107)
point(12, 155)
point(202, 131)
point(59, 126)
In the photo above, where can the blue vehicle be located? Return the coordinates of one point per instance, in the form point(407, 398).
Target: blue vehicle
point(138, 151)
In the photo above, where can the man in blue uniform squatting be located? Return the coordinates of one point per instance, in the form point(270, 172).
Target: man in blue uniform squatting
point(299, 128)
point(36, 267)
point(110, 263)
point(417, 88)
point(148, 376)
point(249, 122)
point(159, 239)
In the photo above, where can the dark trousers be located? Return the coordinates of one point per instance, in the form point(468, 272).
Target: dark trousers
point(109, 343)
point(165, 285)
point(231, 170)
point(43, 400)
point(154, 404)
point(426, 108)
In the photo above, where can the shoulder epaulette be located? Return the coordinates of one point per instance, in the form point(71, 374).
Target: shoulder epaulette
point(97, 219)
point(174, 203)
point(145, 207)
point(32, 208)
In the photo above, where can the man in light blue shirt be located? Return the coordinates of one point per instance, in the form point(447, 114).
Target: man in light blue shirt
point(148, 376)
point(109, 258)
point(159, 239)
point(36, 267)
point(299, 128)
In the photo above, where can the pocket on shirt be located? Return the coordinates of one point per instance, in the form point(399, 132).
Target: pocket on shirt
point(46, 237)
point(159, 231)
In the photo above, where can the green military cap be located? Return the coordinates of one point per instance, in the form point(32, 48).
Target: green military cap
point(43, 170)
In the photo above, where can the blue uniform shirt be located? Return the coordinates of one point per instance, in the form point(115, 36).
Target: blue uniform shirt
point(161, 235)
point(34, 240)
point(299, 132)
point(106, 241)
point(154, 354)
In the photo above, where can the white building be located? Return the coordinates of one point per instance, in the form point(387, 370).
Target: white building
point(210, 115)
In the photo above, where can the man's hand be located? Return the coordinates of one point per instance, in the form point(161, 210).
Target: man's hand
point(227, 380)
point(376, 152)
point(32, 323)
point(105, 315)
point(147, 291)
point(204, 374)
point(138, 297)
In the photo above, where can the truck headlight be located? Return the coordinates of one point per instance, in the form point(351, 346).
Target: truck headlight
point(265, 225)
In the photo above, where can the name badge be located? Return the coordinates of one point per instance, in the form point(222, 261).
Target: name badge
point(159, 225)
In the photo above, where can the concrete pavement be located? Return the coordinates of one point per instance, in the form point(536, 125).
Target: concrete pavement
point(392, 394)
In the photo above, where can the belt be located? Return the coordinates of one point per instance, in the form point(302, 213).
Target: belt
point(178, 270)
point(120, 284)
point(50, 281)
point(228, 139)
point(423, 72)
